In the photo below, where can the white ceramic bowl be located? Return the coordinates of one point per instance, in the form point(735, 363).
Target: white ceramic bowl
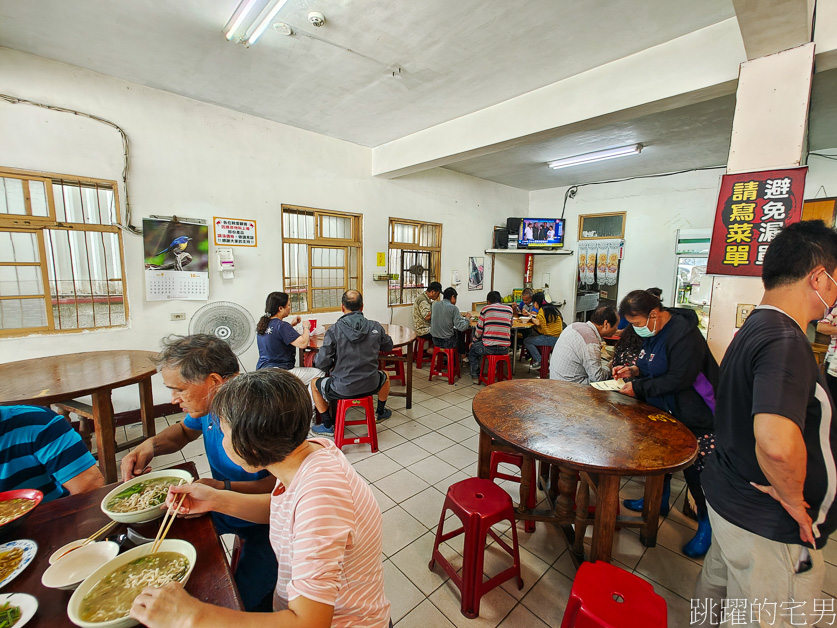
point(69, 571)
point(148, 514)
point(169, 545)
point(64, 549)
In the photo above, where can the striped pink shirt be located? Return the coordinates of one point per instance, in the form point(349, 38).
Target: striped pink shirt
point(326, 531)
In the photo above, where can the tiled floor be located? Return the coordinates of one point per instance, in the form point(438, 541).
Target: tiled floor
point(434, 444)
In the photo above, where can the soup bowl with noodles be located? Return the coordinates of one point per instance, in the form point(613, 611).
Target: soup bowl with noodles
point(105, 597)
point(139, 500)
point(15, 507)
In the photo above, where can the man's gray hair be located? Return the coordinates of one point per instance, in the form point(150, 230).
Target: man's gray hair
point(197, 357)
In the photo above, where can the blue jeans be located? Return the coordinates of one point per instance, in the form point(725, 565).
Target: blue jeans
point(475, 353)
point(257, 569)
point(539, 340)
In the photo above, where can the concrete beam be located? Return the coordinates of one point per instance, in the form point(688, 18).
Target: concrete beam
point(770, 26)
point(697, 63)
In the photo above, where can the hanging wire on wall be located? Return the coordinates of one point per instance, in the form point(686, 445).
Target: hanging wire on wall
point(13, 100)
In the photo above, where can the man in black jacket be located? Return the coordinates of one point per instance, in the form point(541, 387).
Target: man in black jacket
point(350, 351)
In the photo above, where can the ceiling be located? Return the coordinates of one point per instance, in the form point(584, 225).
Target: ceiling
point(457, 56)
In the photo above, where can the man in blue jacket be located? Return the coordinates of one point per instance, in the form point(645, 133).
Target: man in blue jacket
point(350, 351)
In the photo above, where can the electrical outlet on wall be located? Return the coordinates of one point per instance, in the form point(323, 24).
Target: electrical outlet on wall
point(178, 316)
point(742, 311)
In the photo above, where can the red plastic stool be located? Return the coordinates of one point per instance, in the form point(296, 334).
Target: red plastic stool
point(340, 423)
point(546, 353)
point(418, 351)
point(479, 504)
point(395, 368)
point(495, 373)
point(604, 596)
point(436, 363)
point(517, 460)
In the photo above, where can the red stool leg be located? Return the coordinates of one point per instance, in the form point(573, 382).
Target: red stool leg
point(371, 426)
point(340, 423)
point(546, 352)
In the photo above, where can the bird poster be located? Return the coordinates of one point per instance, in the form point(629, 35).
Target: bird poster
point(476, 266)
point(176, 253)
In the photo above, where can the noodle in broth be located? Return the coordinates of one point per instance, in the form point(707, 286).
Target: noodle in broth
point(114, 594)
point(142, 495)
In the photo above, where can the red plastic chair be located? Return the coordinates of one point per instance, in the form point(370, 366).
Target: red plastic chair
point(340, 423)
point(517, 460)
point(495, 373)
point(418, 351)
point(436, 361)
point(604, 596)
point(546, 354)
point(396, 369)
point(479, 504)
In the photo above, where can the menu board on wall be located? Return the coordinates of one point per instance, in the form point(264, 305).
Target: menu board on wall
point(752, 209)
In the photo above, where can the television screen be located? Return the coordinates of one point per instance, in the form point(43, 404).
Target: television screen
point(541, 232)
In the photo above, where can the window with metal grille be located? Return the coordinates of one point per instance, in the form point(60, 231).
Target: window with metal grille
point(322, 257)
point(61, 256)
point(415, 253)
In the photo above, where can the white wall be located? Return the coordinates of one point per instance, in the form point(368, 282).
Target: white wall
point(656, 208)
point(197, 160)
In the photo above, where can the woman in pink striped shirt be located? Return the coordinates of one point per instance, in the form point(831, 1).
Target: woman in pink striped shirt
point(325, 525)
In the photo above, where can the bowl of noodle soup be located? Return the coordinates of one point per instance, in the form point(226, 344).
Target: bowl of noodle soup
point(105, 597)
point(16, 506)
point(139, 500)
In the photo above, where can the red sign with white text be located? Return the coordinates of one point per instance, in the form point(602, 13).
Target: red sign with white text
point(752, 209)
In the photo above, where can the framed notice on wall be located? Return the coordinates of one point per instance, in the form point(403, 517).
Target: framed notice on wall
point(234, 232)
point(752, 209)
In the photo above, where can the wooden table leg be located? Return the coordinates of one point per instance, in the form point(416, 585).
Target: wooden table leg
point(514, 350)
point(604, 525)
point(582, 501)
point(105, 434)
point(526, 483)
point(149, 429)
point(565, 502)
point(651, 509)
point(484, 462)
point(408, 372)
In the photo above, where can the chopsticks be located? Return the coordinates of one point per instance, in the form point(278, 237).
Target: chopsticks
point(171, 513)
point(105, 528)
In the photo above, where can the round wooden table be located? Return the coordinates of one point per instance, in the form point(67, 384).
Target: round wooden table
point(578, 429)
point(401, 337)
point(42, 381)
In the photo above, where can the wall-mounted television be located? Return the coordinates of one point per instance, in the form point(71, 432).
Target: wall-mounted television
point(543, 233)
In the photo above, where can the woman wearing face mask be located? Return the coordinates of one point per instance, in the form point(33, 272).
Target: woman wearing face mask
point(675, 371)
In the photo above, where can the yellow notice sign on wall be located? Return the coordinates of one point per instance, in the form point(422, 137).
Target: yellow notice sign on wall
point(382, 259)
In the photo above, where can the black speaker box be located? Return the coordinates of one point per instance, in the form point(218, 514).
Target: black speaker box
point(513, 225)
point(501, 238)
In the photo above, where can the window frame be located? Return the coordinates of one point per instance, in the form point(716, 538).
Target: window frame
point(355, 241)
point(435, 252)
point(38, 225)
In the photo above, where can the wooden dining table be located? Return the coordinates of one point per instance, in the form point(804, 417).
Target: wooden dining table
point(54, 524)
point(597, 436)
point(401, 337)
point(52, 379)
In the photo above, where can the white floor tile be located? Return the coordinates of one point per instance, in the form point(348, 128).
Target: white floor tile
point(432, 469)
point(522, 617)
point(408, 453)
point(425, 615)
point(402, 594)
point(435, 420)
point(414, 561)
point(416, 411)
point(456, 413)
point(456, 432)
point(426, 506)
point(548, 598)
point(453, 398)
point(435, 404)
point(494, 606)
point(411, 430)
point(376, 467)
point(433, 442)
point(401, 485)
point(672, 570)
point(459, 456)
point(389, 439)
point(400, 529)
point(384, 502)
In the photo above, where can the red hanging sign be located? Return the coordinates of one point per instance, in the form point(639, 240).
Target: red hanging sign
point(752, 209)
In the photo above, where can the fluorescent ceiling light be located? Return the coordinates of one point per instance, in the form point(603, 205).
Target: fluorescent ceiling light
point(250, 20)
point(599, 155)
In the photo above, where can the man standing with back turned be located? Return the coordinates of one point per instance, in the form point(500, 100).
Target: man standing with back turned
point(771, 482)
